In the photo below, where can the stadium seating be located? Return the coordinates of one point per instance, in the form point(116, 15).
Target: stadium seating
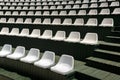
point(47, 60)
point(4, 31)
point(35, 33)
point(73, 37)
point(90, 38)
point(18, 53)
point(87, 30)
point(14, 31)
point(6, 50)
point(47, 34)
point(64, 66)
point(60, 35)
point(32, 56)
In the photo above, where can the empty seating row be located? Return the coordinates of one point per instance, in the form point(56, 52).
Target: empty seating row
point(105, 11)
point(64, 66)
point(75, 6)
point(61, 2)
point(108, 22)
point(74, 36)
point(28, 0)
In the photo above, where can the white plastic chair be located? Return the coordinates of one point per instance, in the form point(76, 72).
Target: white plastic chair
point(12, 8)
point(24, 32)
point(23, 13)
point(64, 66)
point(22, 0)
point(37, 21)
point(45, 7)
point(46, 13)
point(72, 12)
point(82, 12)
point(2, 3)
point(12, 0)
point(15, 13)
point(54, 13)
point(67, 7)
point(105, 4)
point(47, 60)
point(38, 13)
point(102, 0)
point(1, 13)
point(64, 2)
point(107, 22)
point(60, 35)
point(67, 21)
point(11, 20)
point(76, 6)
point(4, 31)
point(20, 3)
point(78, 1)
point(32, 56)
point(26, 3)
point(59, 7)
point(18, 8)
point(5, 8)
point(19, 20)
point(35, 33)
point(8, 3)
point(28, 21)
point(111, 0)
point(32, 3)
point(73, 37)
point(94, 5)
point(6, 50)
point(93, 12)
point(105, 12)
point(30, 13)
point(14, 31)
point(63, 13)
point(90, 39)
point(93, 1)
point(51, 3)
point(8, 13)
point(47, 34)
point(0, 7)
point(25, 8)
point(53, 7)
point(46, 21)
point(18, 53)
point(116, 11)
point(79, 21)
point(14, 3)
point(71, 2)
point(3, 20)
point(56, 21)
point(44, 3)
point(57, 3)
point(38, 3)
point(38, 8)
point(116, 3)
point(85, 1)
point(92, 22)
point(84, 6)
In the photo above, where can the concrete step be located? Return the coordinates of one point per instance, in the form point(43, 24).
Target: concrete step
point(109, 46)
point(105, 54)
point(117, 29)
point(113, 39)
point(104, 64)
point(90, 73)
point(115, 33)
